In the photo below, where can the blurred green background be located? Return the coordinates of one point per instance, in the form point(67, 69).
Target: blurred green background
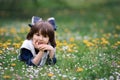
point(88, 38)
point(77, 15)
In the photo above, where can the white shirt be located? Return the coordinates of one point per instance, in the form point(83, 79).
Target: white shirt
point(27, 44)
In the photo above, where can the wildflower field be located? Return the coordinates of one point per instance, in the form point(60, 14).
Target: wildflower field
point(88, 48)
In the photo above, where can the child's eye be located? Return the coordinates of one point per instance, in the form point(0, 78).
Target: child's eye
point(45, 36)
point(37, 34)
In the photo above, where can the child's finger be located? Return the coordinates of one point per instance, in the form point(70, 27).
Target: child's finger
point(42, 47)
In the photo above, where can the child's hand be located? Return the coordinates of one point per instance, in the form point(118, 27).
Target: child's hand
point(46, 47)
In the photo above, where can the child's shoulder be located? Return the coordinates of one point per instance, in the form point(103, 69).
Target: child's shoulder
point(27, 44)
point(27, 41)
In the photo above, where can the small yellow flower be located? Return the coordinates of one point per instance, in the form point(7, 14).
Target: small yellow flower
point(8, 43)
point(90, 44)
point(79, 69)
point(50, 74)
point(5, 46)
point(1, 51)
point(3, 30)
point(72, 39)
point(6, 77)
point(1, 44)
point(13, 64)
point(118, 42)
point(116, 35)
point(95, 41)
point(85, 41)
point(69, 50)
point(104, 41)
point(118, 27)
point(13, 30)
point(16, 45)
point(118, 62)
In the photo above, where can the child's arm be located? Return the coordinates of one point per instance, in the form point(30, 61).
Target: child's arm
point(26, 56)
point(38, 57)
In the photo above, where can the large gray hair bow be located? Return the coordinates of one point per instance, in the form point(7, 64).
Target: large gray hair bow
point(51, 20)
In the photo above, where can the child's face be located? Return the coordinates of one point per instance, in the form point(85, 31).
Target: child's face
point(40, 39)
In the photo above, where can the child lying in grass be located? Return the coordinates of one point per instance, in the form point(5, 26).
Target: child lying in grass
point(39, 47)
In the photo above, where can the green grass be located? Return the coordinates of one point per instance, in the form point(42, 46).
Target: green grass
point(88, 47)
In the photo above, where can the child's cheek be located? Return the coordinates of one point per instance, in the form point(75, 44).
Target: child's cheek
point(35, 37)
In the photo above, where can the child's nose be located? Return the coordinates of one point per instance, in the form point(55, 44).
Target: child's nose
point(40, 37)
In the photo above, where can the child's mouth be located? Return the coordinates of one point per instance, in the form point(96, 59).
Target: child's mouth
point(40, 42)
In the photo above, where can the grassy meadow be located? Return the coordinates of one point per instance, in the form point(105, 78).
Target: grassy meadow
point(88, 47)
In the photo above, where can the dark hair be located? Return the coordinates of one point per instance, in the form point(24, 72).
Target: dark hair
point(46, 30)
